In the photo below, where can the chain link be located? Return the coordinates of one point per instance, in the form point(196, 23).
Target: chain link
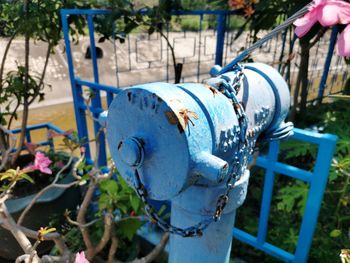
point(230, 89)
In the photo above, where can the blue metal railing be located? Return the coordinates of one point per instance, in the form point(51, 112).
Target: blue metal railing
point(41, 126)
point(326, 143)
point(317, 181)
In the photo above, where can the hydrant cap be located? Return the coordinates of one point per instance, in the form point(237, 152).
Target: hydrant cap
point(142, 135)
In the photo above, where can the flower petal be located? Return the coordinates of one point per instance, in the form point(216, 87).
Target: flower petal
point(329, 15)
point(304, 24)
point(343, 43)
point(334, 12)
point(45, 170)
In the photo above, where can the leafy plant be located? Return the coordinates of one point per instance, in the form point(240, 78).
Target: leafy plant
point(37, 21)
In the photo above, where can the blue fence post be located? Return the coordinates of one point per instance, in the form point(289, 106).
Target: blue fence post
point(96, 98)
point(327, 64)
point(220, 38)
point(315, 196)
point(267, 193)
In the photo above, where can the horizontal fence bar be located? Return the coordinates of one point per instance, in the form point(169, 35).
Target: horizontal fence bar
point(92, 109)
point(37, 127)
point(265, 247)
point(285, 169)
point(311, 136)
point(48, 126)
point(65, 12)
point(180, 12)
point(94, 85)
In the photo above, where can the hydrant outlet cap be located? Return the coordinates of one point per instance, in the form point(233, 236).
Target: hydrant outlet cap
point(131, 152)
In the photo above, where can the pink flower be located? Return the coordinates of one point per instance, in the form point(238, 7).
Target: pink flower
point(80, 258)
point(327, 13)
point(344, 42)
point(41, 163)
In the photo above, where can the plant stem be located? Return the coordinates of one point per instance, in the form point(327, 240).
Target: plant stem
point(304, 66)
point(113, 249)
point(172, 50)
point(3, 142)
point(7, 48)
point(26, 84)
point(342, 195)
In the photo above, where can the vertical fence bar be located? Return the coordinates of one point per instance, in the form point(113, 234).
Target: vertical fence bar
point(96, 99)
point(79, 115)
point(199, 47)
point(284, 39)
point(267, 192)
point(315, 196)
point(49, 139)
point(28, 137)
point(327, 64)
point(81, 119)
point(220, 38)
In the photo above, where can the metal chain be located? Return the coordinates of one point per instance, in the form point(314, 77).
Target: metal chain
point(230, 89)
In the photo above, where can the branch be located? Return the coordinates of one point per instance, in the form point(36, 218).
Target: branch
point(81, 216)
point(48, 52)
point(54, 236)
point(71, 221)
point(113, 249)
point(44, 190)
point(106, 234)
point(319, 35)
point(7, 48)
point(13, 114)
point(153, 254)
point(9, 223)
point(26, 85)
point(156, 251)
point(171, 48)
point(5, 155)
point(75, 167)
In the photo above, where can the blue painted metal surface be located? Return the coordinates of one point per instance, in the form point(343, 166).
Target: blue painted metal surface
point(196, 129)
point(96, 98)
point(328, 144)
point(190, 207)
point(327, 65)
point(220, 39)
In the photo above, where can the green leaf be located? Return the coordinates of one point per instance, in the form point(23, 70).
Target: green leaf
point(27, 177)
point(123, 208)
point(129, 227)
point(293, 197)
point(123, 183)
point(335, 233)
point(10, 173)
point(103, 201)
point(109, 186)
point(135, 202)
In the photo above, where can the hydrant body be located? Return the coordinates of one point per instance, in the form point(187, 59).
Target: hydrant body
point(183, 142)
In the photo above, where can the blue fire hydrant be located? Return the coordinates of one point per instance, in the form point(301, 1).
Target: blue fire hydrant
point(191, 144)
